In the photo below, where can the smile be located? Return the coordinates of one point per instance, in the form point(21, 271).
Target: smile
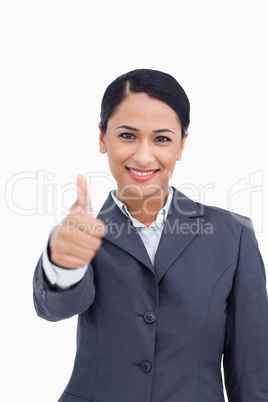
point(141, 175)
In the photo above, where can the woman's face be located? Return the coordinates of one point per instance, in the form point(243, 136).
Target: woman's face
point(143, 143)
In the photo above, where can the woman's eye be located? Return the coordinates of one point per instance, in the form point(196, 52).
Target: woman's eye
point(127, 136)
point(162, 138)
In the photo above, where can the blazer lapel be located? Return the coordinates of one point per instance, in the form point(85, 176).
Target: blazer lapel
point(182, 225)
point(122, 233)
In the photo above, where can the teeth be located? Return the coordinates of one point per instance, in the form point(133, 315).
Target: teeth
point(141, 173)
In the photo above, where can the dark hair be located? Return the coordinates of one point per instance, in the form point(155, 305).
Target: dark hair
point(155, 84)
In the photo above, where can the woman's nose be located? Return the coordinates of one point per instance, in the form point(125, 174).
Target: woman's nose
point(143, 155)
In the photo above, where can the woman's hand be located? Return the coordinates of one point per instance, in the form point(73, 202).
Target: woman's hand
point(76, 239)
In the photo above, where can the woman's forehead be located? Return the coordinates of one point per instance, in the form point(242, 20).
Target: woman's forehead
point(140, 107)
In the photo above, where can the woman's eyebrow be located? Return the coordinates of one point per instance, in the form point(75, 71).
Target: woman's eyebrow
point(161, 130)
point(128, 128)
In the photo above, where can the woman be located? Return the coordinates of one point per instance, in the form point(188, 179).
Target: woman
point(164, 286)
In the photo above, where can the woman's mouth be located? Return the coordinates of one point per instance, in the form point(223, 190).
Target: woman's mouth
point(141, 175)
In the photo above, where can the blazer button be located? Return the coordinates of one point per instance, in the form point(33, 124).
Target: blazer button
point(149, 317)
point(146, 366)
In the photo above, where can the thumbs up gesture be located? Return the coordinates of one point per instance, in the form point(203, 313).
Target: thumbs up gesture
point(75, 241)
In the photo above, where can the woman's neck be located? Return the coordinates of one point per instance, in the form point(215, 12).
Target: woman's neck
point(145, 209)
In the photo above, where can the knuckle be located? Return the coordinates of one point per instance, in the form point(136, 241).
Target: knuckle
point(82, 262)
point(90, 256)
point(100, 228)
point(97, 243)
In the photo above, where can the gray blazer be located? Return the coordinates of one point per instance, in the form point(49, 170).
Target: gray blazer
point(158, 333)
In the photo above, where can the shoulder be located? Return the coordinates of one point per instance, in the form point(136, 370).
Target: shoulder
point(223, 220)
point(216, 213)
point(227, 221)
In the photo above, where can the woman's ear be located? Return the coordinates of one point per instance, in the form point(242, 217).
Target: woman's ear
point(182, 144)
point(102, 141)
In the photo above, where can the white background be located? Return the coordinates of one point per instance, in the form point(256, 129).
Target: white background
point(57, 58)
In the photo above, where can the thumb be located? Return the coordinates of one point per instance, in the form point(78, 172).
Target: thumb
point(83, 200)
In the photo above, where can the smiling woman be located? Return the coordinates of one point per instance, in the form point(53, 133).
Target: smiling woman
point(142, 159)
point(164, 287)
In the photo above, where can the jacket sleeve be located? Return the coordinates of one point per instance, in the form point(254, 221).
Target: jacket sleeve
point(246, 342)
point(53, 303)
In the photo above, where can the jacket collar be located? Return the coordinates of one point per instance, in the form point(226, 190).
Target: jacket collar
point(182, 225)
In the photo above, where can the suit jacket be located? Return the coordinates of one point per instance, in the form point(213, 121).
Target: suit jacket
point(158, 333)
